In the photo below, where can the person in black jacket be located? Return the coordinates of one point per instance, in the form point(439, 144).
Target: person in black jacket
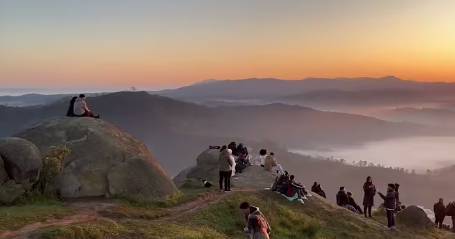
point(354, 204)
point(233, 146)
point(389, 205)
point(342, 197)
point(439, 212)
point(368, 199)
point(70, 112)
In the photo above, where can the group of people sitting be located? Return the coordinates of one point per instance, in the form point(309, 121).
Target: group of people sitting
point(78, 108)
point(287, 186)
point(441, 211)
point(269, 163)
point(316, 188)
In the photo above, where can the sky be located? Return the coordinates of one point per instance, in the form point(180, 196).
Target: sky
point(160, 44)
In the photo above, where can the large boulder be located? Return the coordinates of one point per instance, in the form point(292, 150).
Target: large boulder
point(98, 147)
point(207, 165)
point(415, 216)
point(22, 160)
point(3, 174)
point(10, 191)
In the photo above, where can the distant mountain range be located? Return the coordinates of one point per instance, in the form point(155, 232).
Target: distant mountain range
point(276, 88)
point(424, 116)
point(176, 131)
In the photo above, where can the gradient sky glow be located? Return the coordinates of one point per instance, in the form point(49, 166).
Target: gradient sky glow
point(167, 43)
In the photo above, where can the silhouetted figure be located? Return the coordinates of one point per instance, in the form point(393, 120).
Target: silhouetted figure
point(314, 188)
point(241, 150)
point(390, 205)
point(353, 203)
point(321, 191)
point(450, 211)
point(262, 156)
point(440, 212)
point(233, 146)
point(81, 109)
point(70, 112)
point(368, 199)
point(342, 198)
point(397, 197)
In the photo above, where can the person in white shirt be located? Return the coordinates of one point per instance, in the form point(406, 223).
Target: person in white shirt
point(262, 156)
point(80, 108)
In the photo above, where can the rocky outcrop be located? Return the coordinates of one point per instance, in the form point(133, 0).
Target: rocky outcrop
point(414, 216)
point(3, 174)
point(22, 160)
point(182, 177)
point(207, 165)
point(137, 178)
point(10, 191)
point(101, 154)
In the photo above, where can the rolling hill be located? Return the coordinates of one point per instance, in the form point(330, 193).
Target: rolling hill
point(165, 124)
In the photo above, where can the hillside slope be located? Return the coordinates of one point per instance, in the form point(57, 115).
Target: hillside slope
point(207, 215)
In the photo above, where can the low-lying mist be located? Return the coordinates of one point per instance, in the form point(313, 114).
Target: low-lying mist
point(418, 153)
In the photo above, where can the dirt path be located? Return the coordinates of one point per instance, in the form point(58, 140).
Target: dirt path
point(90, 210)
point(87, 210)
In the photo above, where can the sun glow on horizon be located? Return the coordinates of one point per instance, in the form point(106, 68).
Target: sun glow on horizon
point(152, 43)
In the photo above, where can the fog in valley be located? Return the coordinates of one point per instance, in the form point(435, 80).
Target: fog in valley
point(418, 153)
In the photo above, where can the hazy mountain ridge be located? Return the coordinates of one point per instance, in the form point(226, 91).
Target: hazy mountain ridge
point(165, 124)
point(270, 88)
point(425, 116)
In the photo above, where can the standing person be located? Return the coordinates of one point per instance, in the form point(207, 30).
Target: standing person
point(368, 199)
point(389, 205)
point(257, 226)
point(81, 109)
point(439, 212)
point(225, 168)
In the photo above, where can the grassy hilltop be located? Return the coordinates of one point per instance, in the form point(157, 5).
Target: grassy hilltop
point(195, 213)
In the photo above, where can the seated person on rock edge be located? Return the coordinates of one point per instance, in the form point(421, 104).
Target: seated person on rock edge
point(242, 150)
point(343, 200)
point(296, 188)
point(81, 109)
point(241, 163)
point(353, 203)
point(257, 226)
point(271, 165)
point(262, 156)
point(316, 188)
point(70, 112)
point(233, 146)
point(280, 181)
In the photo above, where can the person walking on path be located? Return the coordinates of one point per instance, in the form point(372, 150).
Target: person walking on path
point(368, 199)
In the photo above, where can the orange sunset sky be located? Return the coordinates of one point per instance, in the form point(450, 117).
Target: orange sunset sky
point(156, 43)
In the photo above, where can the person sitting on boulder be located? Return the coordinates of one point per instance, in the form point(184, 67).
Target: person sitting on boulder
point(353, 203)
point(257, 226)
point(314, 188)
point(70, 112)
point(81, 109)
point(389, 205)
point(241, 150)
point(343, 200)
point(225, 168)
point(271, 165)
point(233, 146)
point(440, 212)
point(262, 156)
